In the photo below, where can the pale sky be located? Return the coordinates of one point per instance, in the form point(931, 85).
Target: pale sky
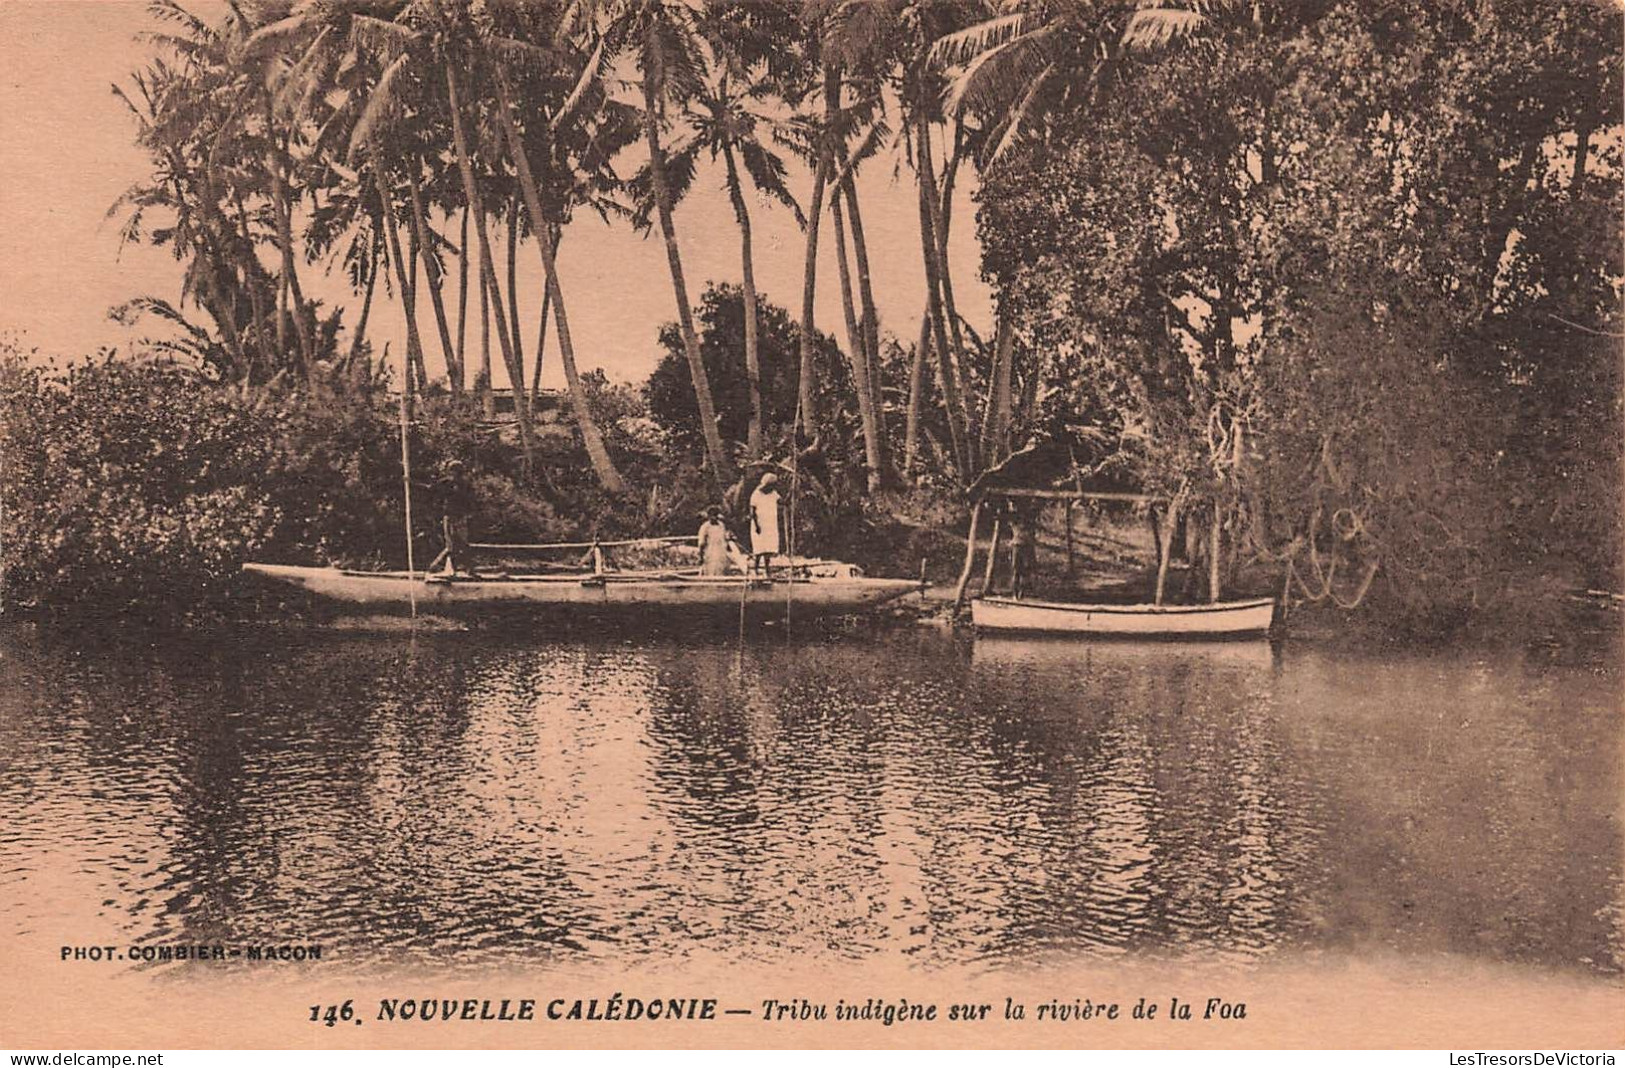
point(66, 154)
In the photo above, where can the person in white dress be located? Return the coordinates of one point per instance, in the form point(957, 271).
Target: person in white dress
point(764, 521)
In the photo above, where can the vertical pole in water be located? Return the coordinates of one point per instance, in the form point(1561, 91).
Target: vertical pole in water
point(406, 483)
point(789, 536)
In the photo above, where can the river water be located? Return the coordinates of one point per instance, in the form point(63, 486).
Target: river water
point(477, 801)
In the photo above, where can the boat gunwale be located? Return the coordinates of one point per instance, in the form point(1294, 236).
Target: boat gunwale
point(1132, 609)
point(666, 578)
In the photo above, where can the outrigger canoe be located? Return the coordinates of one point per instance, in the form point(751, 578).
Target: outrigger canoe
point(1232, 619)
point(811, 592)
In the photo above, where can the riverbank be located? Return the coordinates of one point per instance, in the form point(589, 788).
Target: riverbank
point(134, 491)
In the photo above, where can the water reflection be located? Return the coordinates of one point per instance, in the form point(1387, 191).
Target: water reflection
point(463, 801)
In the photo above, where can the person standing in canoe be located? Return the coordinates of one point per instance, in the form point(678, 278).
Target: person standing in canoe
point(764, 521)
point(713, 541)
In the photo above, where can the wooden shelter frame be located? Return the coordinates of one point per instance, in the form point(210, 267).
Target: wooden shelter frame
point(1068, 496)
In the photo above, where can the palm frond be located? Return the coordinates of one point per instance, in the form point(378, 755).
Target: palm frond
point(590, 74)
point(966, 44)
point(523, 54)
point(381, 37)
point(767, 172)
point(1018, 117)
point(1001, 74)
point(1154, 27)
point(380, 105)
point(868, 146)
point(275, 35)
point(679, 170)
point(170, 11)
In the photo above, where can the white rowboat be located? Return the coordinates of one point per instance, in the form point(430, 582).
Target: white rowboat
point(1229, 619)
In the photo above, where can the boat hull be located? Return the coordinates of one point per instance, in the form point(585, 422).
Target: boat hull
point(1234, 619)
point(675, 594)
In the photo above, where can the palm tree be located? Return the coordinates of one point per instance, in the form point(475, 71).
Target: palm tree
point(821, 156)
point(325, 81)
point(191, 106)
point(897, 36)
point(256, 90)
point(437, 38)
point(863, 332)
point(427, 241)
point(869, 322)
point(1024, 59)
point(406, 279)
point(663, 41)
point(823, 144)
point(722, 123)
point(591, 437)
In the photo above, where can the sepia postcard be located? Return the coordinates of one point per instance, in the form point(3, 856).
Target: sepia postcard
point(869, 524)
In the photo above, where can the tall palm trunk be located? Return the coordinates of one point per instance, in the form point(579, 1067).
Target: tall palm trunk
point(284, 229)
point(996, 426)
point(856, 344)
point(515, 329)
point(253, 277)
point(359, 338)
point(591, 438)
point(282, 315)
point(916, 391)
point(947, 380)
point(941, 216)
point(462, 305)
point(412, 257)
point(555, 235)
point(807, 411)
point(859, 350)
point(753, 361)
point(541, 350)
point(482, 381)
point(471, 191)
point(721, 469)
point(431, 269)
point(414, 345)
point(871, 322)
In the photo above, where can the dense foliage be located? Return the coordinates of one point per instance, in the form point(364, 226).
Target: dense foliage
point(1351, 286)
point(137, 487)
point(1337, 283)
point(127, 487)
point(721, 319)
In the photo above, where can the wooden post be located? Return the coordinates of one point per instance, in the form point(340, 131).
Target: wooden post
point(1165, 541)
point(1068, 539)
point(406, 483)
point(992, 556)
point(970, 557)
point(1213, 557)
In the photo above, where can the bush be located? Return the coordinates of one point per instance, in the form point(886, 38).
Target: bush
point(138, 488)
point(130, 487)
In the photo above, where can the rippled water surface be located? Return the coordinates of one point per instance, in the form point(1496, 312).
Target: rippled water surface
point(470, 801)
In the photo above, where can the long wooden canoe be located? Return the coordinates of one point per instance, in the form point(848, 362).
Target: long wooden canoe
point(1230, 619)
point(624, 592)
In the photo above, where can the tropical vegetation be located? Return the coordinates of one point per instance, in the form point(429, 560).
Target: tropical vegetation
point(1336, 285)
